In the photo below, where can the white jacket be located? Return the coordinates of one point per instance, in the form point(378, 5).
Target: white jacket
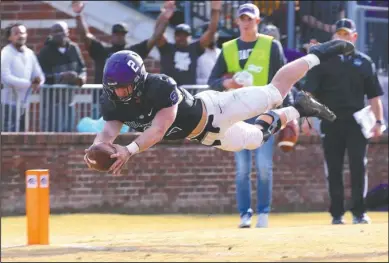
point(18, 69)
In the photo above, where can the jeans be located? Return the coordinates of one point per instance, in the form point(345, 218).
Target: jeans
point(264, 168)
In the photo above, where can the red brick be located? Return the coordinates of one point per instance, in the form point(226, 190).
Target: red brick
point(6, 7)
point(161, 181)
point(37, 6)
point(8, 16)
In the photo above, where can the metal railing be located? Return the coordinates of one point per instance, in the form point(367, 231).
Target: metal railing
point(372, 27)
point(58, 108)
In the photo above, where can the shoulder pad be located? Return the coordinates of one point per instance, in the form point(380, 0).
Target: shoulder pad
point(168, 80)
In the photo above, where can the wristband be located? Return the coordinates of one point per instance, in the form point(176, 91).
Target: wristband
point(133, 148)
point(379, 122)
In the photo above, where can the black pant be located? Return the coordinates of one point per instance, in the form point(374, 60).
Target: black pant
point(338, 136)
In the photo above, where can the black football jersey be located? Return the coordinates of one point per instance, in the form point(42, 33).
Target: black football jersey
point(159, 91)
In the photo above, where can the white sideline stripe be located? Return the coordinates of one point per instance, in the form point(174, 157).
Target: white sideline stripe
point(14, 246)
point(39, 23)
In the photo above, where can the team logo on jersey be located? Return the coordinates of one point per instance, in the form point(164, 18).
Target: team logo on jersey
point(173, 130)
point(137, 125)
point(244, 54)
point(182, 61)
point(357, 62)
point(174, 96)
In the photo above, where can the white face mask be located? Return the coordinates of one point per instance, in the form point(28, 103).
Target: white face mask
point(62, 49)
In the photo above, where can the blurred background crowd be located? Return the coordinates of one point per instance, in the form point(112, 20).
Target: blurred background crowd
point(56, 86)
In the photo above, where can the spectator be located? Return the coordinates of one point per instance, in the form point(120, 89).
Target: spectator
point(290, 54)
point(21, 74)
point(342, 85)
point(179, 59)
point(62, 63)
point(259, 57)
point(318, 18)
point(100, 51)
point(207, 60)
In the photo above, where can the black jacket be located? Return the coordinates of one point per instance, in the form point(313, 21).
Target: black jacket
point(53, 62)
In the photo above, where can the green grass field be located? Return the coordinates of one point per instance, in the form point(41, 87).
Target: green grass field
point(290, 237)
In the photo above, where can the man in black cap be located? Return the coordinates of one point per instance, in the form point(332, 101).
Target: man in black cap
point(342, 85)
point(179, 59)
point(100, 52)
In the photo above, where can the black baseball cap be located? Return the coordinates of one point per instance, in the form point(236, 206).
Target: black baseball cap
point(183, 28)
point(119, 28)
point(346, 24)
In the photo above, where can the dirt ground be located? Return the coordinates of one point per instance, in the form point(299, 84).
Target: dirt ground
point(128, 238)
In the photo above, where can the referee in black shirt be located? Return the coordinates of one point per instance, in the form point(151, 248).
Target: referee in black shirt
point(342, 85)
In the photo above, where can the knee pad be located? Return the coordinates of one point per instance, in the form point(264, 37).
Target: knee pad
point(269, 129)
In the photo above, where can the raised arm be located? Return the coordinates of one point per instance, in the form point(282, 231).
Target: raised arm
point(161, 24)
point(208, 35)
point(82, 26)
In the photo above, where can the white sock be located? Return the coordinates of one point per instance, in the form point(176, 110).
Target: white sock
point(290, 112)
point(312, 60)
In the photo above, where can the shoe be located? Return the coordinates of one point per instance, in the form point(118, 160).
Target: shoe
point(363, 219)
point(309, 107)
point(338, 220)
point(263, 220)
point(245, 220)
point(332, 48)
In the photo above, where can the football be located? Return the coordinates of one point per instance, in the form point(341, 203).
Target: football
point(99, 156)
point(288, 137)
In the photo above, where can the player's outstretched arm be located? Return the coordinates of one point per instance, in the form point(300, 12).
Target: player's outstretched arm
point(161, 123)
point(109, 133)
point(151, 136)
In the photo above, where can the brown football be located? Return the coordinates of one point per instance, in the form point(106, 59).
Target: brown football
point(99, 156)
point(288, 137)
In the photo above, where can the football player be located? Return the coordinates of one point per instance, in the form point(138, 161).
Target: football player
point(154, 105)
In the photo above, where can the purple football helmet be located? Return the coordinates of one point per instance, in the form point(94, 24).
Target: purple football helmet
point(123, 69)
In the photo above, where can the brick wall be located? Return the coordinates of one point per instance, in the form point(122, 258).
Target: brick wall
point(170, 177)
point(22, 10)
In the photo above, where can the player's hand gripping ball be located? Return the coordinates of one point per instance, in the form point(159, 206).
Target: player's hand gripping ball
point(288, 137)
point(97, 157)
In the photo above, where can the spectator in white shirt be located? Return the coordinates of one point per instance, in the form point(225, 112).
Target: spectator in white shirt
point(207, 60)
point(21, 74)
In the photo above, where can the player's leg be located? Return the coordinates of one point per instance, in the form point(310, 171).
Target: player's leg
point(242, 135)
point(245, 103)
point(305, 105)
point(292, 72)
point(238, 105)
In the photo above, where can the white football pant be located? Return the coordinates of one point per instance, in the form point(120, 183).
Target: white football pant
point(231, 108)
